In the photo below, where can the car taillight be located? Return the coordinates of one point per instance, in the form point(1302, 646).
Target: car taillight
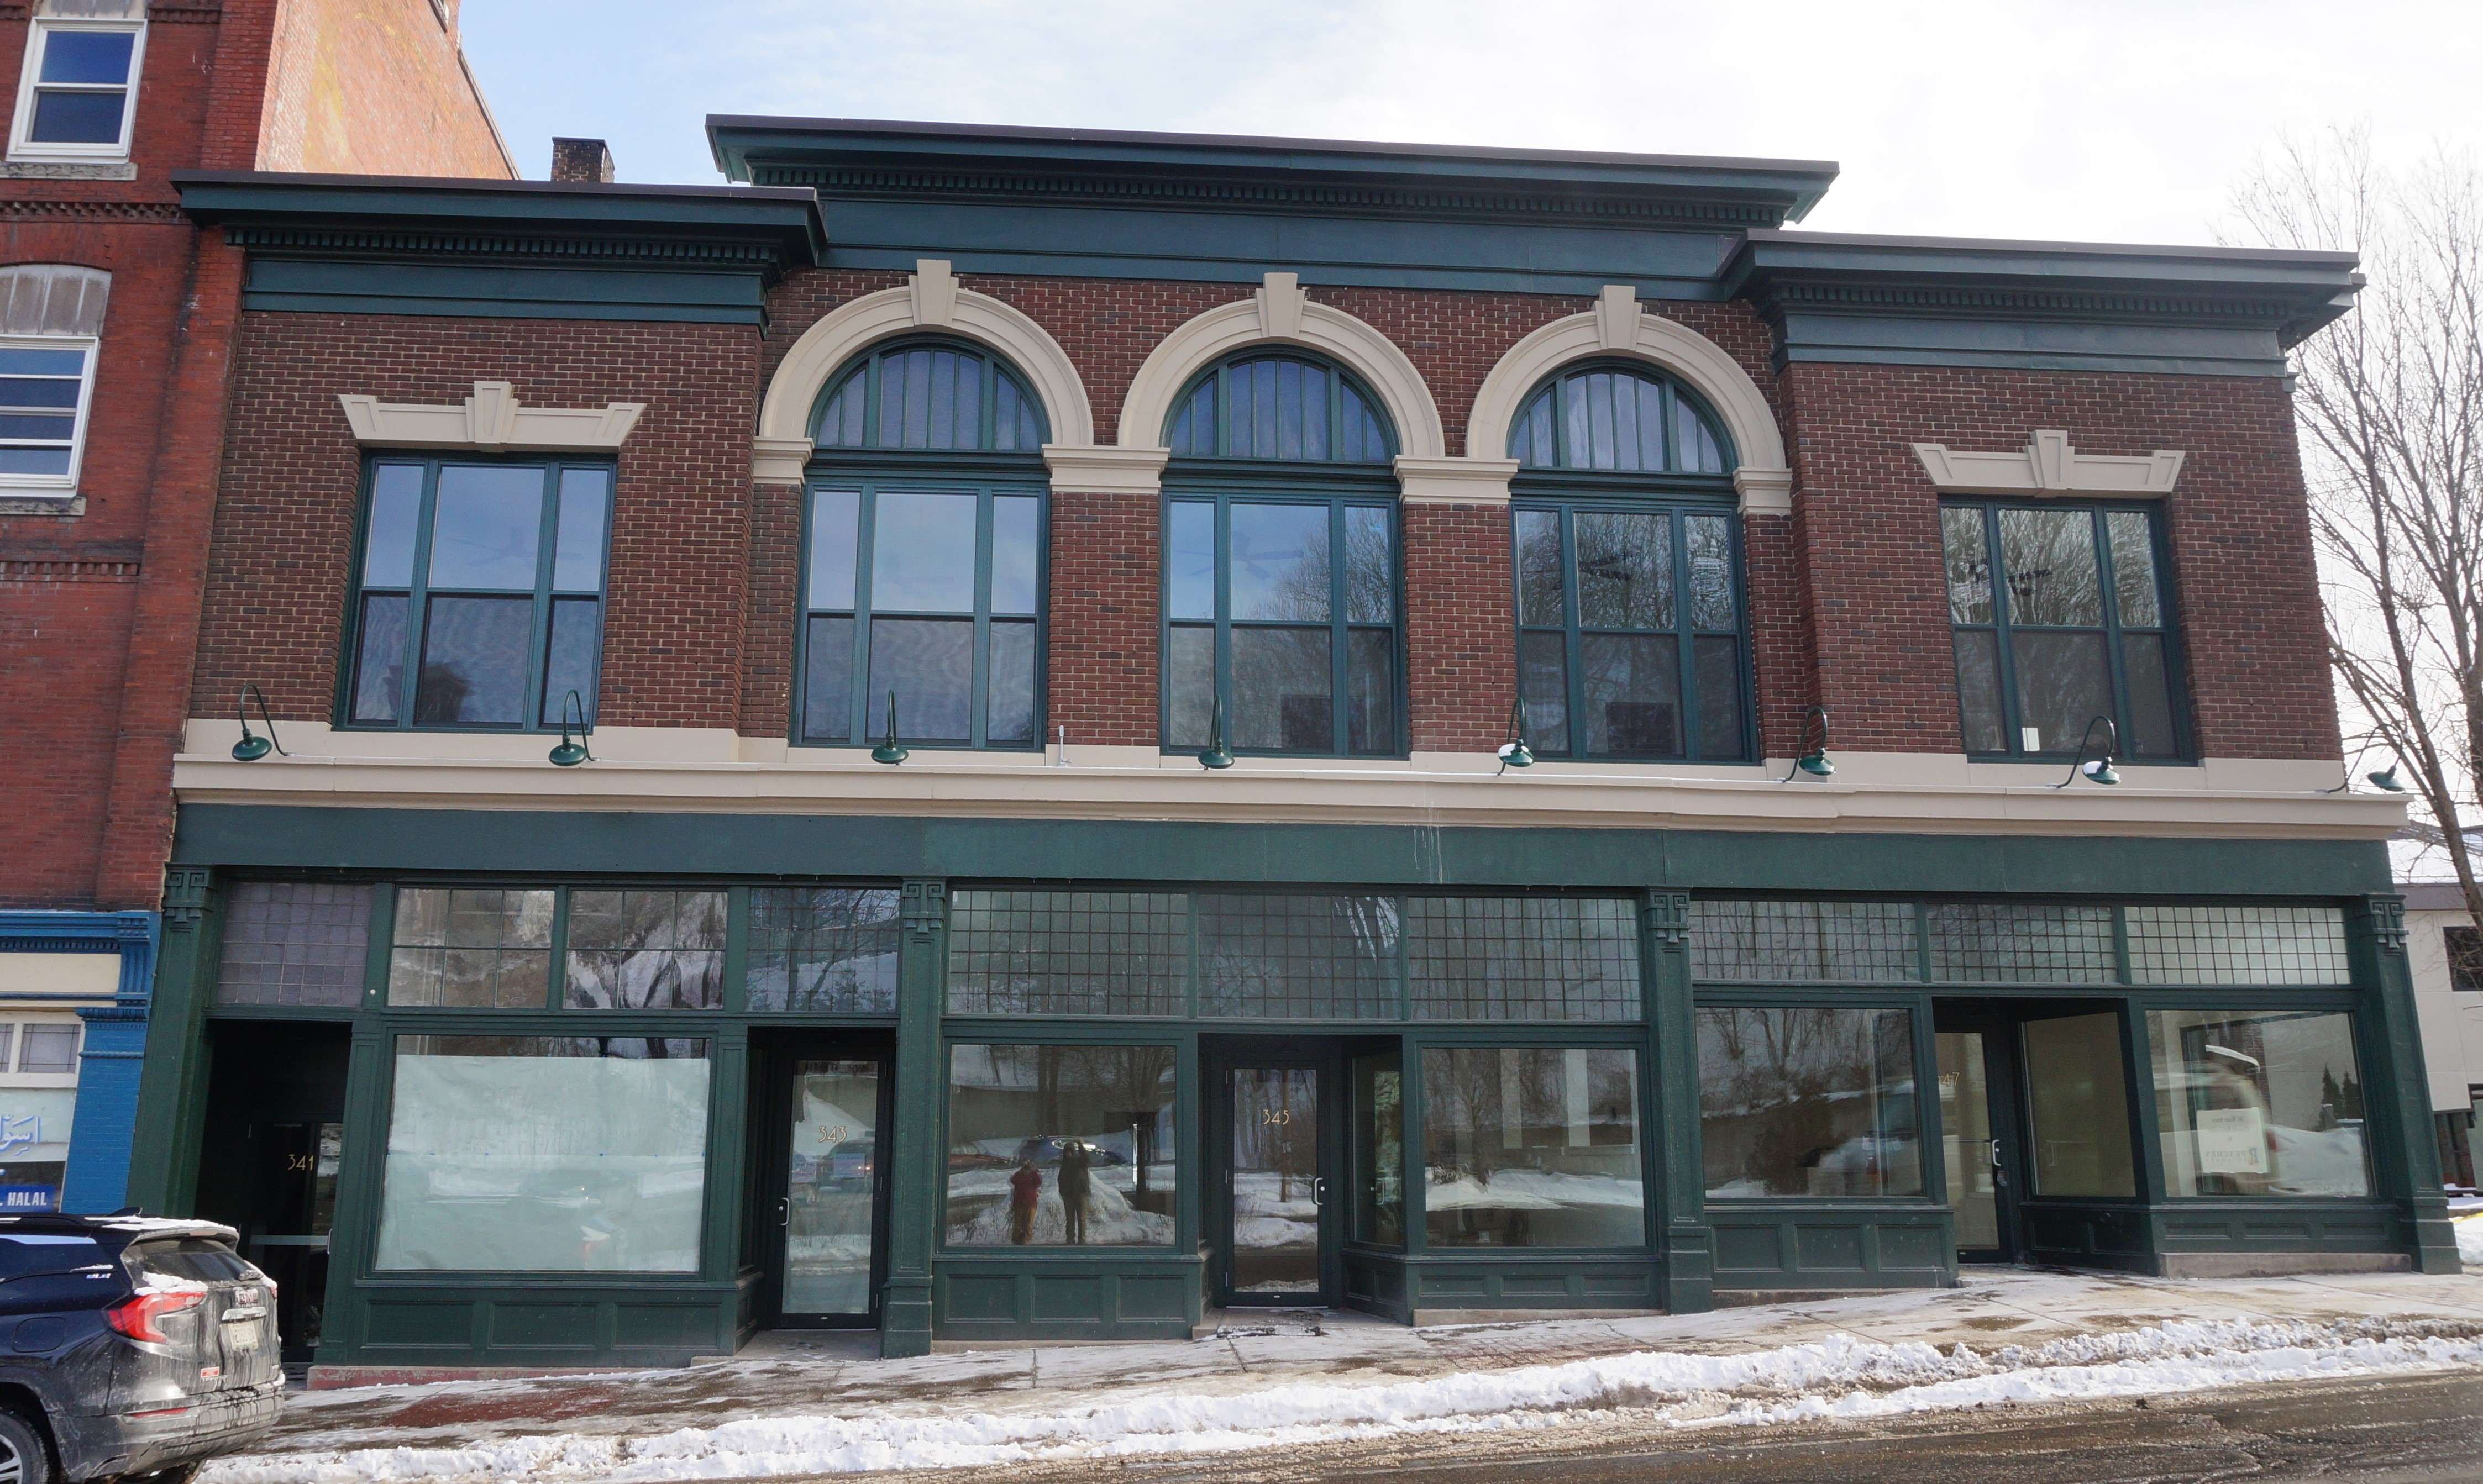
point(135, 1316)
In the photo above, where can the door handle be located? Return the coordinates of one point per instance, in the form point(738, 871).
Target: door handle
point(1995, 1151)
point(784, 1212)
point(1318, 1190)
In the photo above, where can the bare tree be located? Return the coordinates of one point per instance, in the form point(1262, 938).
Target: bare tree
point(2391, 405)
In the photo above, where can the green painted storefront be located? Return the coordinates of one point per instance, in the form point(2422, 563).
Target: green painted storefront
point(222, 1070)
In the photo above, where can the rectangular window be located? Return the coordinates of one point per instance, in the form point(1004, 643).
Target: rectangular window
point(1286, 610)
point(2260, 1103)
point(1545, 958)
point(826, 950)
point(2077, 1092)
point(929, 597)
point(2219, 945)
point(545, 1155)
point(49, 1046)
point(1310, 957)
point(1531, 1147)
point(1378, 1135)
point(1117, 953)
point(2077, 626)
point(2465, 948)
point(1780, 942)
point(1629, 637)
point(45, 386)
point(294, 942)
point(472, 948)
point(78, 95)
point(637, 949)
point(1809, 1103)
point(2007, 943)
point(480, 600)
point(1052, 1146)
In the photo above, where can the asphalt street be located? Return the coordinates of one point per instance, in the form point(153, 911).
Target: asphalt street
point(2399, 1430)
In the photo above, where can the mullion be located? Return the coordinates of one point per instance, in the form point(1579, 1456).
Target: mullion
point(539, 630)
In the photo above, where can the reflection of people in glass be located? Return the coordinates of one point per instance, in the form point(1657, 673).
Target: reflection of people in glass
point(1025, 1187)
point(1076, 1183)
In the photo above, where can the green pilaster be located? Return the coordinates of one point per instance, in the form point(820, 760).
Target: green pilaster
point(1684, 1240)
point(353, 1235)
point(727, 1150)
point(172, 1080)
point(2398, 1097)
point(914, 1145)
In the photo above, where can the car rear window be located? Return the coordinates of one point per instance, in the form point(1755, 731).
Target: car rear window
point(29, 1253)
point(192, 1258)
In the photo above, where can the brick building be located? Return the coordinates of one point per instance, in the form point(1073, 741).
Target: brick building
point(1188, 722)
point(116, 322)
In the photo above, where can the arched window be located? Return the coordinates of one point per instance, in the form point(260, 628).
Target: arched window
point(923, 553)
point(1629, 631)
point(1280, 562)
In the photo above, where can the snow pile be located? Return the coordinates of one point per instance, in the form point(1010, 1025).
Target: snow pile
point(1839, 1377)
point(2470, 1239)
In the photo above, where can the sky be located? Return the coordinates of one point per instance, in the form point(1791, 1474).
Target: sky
point(2082, 120)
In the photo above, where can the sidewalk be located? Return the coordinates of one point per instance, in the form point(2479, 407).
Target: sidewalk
point(822, 1405)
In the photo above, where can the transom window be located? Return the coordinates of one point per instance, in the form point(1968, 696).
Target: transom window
point(1628, 566)
point(922, 571)
point(1280, 571)
point(79, 89)
point(481, 600)
point(2079, 626)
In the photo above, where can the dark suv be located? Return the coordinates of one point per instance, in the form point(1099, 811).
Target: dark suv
point(129, 1347)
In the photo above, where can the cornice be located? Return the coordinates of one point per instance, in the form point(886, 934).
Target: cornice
point(1979, 303)
point(327, 242)
point(1246, 194)
point(146, 212)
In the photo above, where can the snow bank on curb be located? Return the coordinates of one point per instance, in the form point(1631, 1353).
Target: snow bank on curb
point(2470, 1239)
point(1837, 1377)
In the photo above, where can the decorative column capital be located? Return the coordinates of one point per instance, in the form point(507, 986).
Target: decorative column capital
point(923, 907)
point(186, 891)
point(2383, 918)
point(1667, 919)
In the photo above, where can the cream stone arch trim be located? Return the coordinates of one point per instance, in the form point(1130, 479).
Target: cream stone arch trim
point(1618, 327)
point(931, 298)
point(1280, 313)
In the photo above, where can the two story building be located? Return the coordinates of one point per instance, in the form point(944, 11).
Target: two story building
point(1007, 734)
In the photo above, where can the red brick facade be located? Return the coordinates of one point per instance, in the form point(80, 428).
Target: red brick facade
point(1847, 607)
point(98, 609)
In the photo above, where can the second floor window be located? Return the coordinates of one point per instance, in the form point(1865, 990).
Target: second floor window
point(480, 603)
point(1629, 594)
point(79, 92)
point(922, 571)
point(1280, 564)
point(2078, 625)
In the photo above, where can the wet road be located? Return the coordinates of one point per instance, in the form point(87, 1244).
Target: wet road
point(2404, 1430)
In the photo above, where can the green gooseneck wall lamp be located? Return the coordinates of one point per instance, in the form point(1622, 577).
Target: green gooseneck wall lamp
point(1216, 755)
point(571, 750)
point(252, 747)
point(2101, 769)
point(1514, 752)
point(1814, 759)
point(889, 750)
point(2386, 780)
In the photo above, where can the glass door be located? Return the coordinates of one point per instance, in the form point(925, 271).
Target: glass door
point(1277, 1196)
point(1978, 1176)
point(834, 1174)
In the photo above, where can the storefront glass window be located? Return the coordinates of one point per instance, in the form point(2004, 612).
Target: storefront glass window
point(645, 950)
point(1060, 1146)
point(1378, 1151)
point(545, 1155)
point(1068, 952)
point(1324, 957)
point(829, 950)
point(480, 948)
point(1802, 941)
point(1994, 942)
point(1809, 1103)
point(2077, 1088)
point(2260, 1103)
point(2238, 944)
point(1531, 1147)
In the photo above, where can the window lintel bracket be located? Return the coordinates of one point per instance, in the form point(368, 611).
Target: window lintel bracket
point(2049, 466)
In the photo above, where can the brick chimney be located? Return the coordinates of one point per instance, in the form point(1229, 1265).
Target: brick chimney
point(581, 160)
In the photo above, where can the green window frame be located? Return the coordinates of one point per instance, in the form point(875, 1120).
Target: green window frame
point(941, 442)
point(1633, 628)
point(463, 949)
point(1267, 450)
point(2082, 623)
point(432, 620)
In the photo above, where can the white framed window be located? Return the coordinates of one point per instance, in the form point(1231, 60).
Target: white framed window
point(78, 97)
point(46, 1047)
point(45, 383)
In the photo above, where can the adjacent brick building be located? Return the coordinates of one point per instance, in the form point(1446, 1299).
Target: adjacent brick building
point(1184, 722)
point(116, 316)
